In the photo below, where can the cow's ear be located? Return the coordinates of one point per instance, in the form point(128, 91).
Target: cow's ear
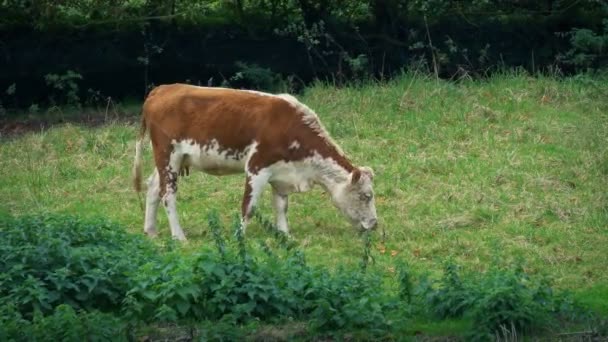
point(355, 176)
point(367, 171)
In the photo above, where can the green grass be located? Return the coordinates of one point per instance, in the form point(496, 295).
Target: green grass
point(480, 172)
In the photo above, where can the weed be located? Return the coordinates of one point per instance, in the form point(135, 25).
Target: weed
point(216, 230)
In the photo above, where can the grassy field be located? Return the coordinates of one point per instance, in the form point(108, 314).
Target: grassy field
point(480, 172)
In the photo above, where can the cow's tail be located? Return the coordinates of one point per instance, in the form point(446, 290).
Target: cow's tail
point(138, 155)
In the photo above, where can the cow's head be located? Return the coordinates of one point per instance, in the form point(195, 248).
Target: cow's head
point(355, 198)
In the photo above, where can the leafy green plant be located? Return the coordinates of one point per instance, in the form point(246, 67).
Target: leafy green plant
point(510, 299)
point(242, 285)
point(348, 301)
point(65, 86)
point(367, 257)
point(453, 297)
point(589, 49)
point(213, 220)
point(496, 301)
point(406, 287)
point(63, 324)
point(253, 76)
point(52, 260)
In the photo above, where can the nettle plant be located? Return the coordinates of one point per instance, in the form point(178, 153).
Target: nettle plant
point(63, 324)
point(502, 299)
point(53, 260)
point(239, 284)
point(70, 278)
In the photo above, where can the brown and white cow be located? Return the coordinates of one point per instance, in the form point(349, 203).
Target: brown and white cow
point(272, 138)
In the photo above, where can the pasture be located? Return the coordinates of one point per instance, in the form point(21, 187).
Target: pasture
point(512, 169)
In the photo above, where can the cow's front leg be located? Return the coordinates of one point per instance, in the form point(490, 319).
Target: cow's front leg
point(280, 205)
point(254, 184)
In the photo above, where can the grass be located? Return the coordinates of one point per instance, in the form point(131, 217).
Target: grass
point(506, 169)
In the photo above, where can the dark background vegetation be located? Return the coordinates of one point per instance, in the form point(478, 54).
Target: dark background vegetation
point(58, 52)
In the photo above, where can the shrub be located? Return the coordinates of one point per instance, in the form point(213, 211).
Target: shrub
point(453, 297)
point(64, 324)
point(254, 76)
point(239, 285)
point(65, 86)
point(51, 260)
point(502, 298)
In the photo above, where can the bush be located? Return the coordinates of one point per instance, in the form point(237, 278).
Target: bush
point(62, 278)
point(232, 284)
point(52, 260)
point(64, 324)
point(253, 76)
point(453, 297)
point(588, 48)
point(510, 298)
point(502, 298)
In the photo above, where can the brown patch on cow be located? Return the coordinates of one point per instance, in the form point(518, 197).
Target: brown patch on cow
point(246, 199)
point(356, 176)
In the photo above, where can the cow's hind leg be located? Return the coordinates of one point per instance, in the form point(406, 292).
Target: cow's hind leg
point(152, 199)
point(168, 192)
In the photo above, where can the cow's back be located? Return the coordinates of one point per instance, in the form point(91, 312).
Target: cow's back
point(234, 118)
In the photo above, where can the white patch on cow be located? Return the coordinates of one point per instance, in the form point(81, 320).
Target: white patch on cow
point(257, 181)
point(212, 158)
point(302, 175)
point(294, 145)
point(279, 202)
point(152, 199)
point(171, 208)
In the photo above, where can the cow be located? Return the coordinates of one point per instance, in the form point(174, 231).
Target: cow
point(273, 139)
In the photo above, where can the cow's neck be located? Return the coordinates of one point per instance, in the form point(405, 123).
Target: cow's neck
point(331, 170)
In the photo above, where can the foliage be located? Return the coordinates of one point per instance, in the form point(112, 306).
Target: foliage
point(53, 260)
point(589, 49)
point(63, 324)
point(502, 298)
point(452, 298)
point(237, 286)
point(65, 87)
point(59, 272)
point(252, 76)
point(115, 47)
